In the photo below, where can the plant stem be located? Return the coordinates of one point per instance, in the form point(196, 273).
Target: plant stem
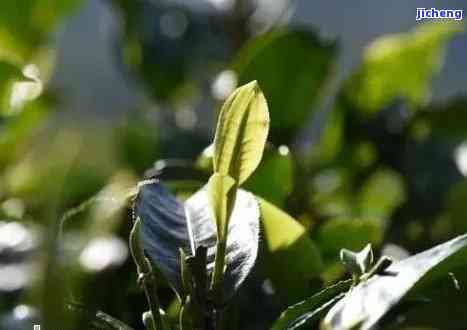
point(150, 289)
point(216, 284)
point(146, 277)
point(219, 264)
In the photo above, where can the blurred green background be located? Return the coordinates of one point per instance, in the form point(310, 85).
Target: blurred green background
point(368, 141)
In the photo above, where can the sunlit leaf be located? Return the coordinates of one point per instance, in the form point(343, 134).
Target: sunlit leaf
point(401, 66)
point(221, 194)
point(312, 309)
point(291, 67)
point(241, 133)
point(367, 303)
point(292, 259)
point(168, 225)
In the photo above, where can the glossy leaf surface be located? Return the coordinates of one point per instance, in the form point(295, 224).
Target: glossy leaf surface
point(365, 305)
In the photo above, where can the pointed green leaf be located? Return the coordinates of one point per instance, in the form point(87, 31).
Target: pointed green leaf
point(366, 304)
point(357, 263)
point(241, 133)
point(349, 259)
point(365, 258)
point(312, 308)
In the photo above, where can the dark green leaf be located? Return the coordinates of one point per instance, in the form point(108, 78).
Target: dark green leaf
point(311, 309)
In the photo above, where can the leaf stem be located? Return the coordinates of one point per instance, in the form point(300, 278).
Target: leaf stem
point(219, 264)
point(216, 285)
point(146, 278)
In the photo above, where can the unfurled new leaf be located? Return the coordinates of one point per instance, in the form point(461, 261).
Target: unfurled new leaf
point(357, 263)
point(241, 133)
point(366, 304)
point(349, 259)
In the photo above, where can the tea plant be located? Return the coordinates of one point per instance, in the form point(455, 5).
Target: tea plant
point(206, 246)
point(247, 233)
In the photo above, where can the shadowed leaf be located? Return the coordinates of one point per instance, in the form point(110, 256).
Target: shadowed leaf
point(168, 225)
